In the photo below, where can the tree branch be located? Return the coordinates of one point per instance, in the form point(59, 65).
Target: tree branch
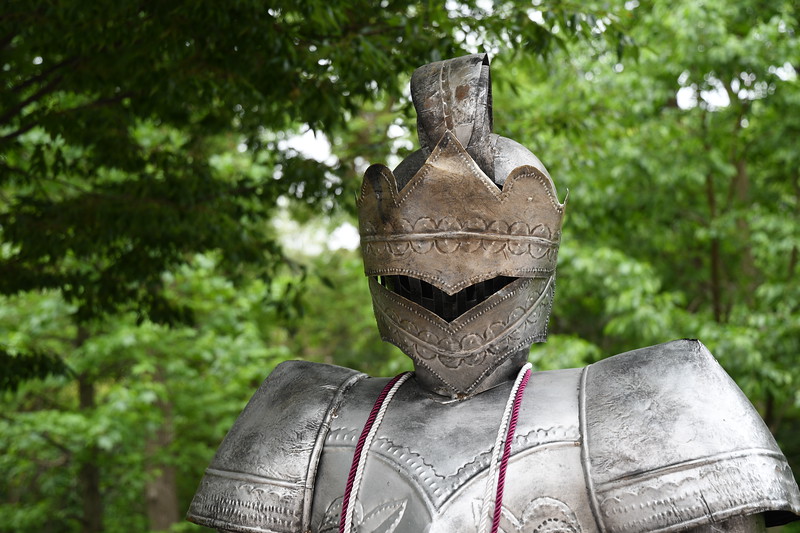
point(43, 435)
point(17, 133)
point(44, 74)
point(44, 91)
point(15, 170)
point(96, 103)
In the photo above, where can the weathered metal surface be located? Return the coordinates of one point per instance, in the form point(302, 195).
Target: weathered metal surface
point(468, 209)
point(456, 96)
point(451, 240)
point(431, 456)
point(624, 445)
point(670, 439)
point(459, 355)
point(262, 476)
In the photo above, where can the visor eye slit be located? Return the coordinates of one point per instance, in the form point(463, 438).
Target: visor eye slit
point(438, 304)
point(427, 289)
point(461, 300)
point(414, 285)
point(446, 306)
point(480, 291)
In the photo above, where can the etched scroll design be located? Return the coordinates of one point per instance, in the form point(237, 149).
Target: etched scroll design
point(448, 235)
point(440, 486)
point(490, 232)
point(474, 343)
point(713, 489)
point(497, 327)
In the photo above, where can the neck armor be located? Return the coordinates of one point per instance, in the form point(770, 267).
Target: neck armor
point(460, 241)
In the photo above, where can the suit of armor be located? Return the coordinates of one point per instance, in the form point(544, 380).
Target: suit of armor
point(460, 245)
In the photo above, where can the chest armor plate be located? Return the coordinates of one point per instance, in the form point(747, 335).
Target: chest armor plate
point(427, 468)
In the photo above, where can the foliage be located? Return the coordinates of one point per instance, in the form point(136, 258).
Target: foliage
point(146, 151)
point(111, 113)
point(222, 360)
point(16, 369)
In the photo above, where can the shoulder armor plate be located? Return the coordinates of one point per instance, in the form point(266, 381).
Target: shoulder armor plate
point(671, 442)
point(262, 476)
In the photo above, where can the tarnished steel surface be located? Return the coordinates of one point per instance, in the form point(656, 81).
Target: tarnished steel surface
point(739, 524)
point(456, 96)
point(452, 240)
point(262, 476)
point(588, 454)
point(509, 155)
point(658, 439)
point(460, 354)
point(671, 440)
point(427, 468)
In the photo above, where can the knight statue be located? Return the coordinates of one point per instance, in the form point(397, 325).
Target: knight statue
point(459, 246)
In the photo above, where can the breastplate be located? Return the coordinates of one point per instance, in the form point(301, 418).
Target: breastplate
point(428, 466)
point(658, 439)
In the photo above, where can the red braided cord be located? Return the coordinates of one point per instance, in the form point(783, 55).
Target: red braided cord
point(501, 477)
point(360, 446)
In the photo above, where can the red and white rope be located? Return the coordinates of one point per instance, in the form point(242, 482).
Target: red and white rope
point(362, 449)
point(501, 452)
point(493, 495)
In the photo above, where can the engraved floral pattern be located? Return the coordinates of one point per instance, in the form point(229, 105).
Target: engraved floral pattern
point(382, 519)
point(541, 515)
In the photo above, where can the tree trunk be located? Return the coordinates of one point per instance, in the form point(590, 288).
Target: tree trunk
point(89, 473)
point(741, 187)
point(716, 264)
point(715, 267)
point(161, 492)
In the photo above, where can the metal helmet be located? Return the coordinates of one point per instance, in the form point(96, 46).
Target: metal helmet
point(460, 241)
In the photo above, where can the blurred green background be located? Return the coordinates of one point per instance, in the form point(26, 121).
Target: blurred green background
point(170, 173)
